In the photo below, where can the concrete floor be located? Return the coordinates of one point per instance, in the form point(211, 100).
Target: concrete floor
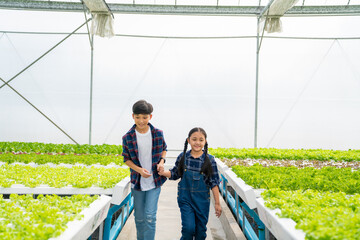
point(168, 225)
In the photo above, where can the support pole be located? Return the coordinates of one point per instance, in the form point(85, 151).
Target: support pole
point(258, 46)
point(257, 82)
point(91, 86)
point(91, 41)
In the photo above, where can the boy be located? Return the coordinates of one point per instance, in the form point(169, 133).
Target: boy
point(144, 151)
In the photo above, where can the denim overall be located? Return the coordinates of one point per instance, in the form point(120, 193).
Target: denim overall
point(194, 203)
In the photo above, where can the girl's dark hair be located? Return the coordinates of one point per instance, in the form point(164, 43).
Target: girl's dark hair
point(142, 107)
point(206, 167)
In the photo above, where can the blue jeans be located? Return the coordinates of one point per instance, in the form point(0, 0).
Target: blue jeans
point(194, 203)
point(145, 208)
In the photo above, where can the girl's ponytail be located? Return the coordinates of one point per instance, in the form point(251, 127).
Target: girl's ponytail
point(207, 167)
point(182, 160)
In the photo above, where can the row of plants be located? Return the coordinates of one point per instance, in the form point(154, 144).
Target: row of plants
point(58, 177)
point(286, 154)
point(292, 178)
point(322, 198)
point(27, 218)
point(43, 158)
point(294, 163)
point(321, 215)
point(35, 147)
point(22, 216)
point(324, 201)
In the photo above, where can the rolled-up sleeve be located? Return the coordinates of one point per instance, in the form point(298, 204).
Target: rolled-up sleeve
point(125, 152)
point(164, 144)
point(174, 170)
point(215, 179)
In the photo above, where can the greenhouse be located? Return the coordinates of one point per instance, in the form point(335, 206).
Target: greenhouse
point(275, 84)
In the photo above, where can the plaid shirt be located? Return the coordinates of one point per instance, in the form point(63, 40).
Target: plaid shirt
point(195, 164)
point(130, 152)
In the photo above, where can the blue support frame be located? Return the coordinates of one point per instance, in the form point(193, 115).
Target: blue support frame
point(238, 210)
point(127, 205)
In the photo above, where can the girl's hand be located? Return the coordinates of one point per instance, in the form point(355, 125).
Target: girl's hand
point(218, 209)
point(144, 173)
point(165, 174)
point(160, 168)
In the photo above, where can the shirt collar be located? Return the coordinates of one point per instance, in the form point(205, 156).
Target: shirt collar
point(188, 155)
point(132, 130)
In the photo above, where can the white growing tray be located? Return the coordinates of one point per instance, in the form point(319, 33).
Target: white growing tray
point(94, 215)
point(246, 192)
point(221, 166)
point(117, 193)
point(281, 228)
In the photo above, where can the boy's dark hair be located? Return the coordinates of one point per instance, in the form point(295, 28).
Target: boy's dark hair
point(142, 107)
point(206, 167)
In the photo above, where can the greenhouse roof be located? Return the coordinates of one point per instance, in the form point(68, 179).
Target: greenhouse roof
point(198, 7)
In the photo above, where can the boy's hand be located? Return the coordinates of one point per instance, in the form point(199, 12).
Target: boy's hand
point(218, 209)
point(145, 173)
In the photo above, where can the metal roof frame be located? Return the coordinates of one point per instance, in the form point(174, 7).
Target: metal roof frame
point(179, 9)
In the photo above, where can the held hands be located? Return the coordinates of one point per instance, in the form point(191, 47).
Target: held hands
point(218, 209)
point(162, 172)
point(160, 169)
point(145, 173)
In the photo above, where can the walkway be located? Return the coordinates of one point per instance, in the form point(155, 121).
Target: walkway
point(168, 226)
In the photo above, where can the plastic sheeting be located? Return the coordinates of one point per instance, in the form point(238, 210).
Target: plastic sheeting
point(271, 18)
point(102, 21)
point(308, 89)
point(102, 25)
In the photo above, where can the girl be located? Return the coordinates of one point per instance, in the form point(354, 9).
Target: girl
point(198, 172)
